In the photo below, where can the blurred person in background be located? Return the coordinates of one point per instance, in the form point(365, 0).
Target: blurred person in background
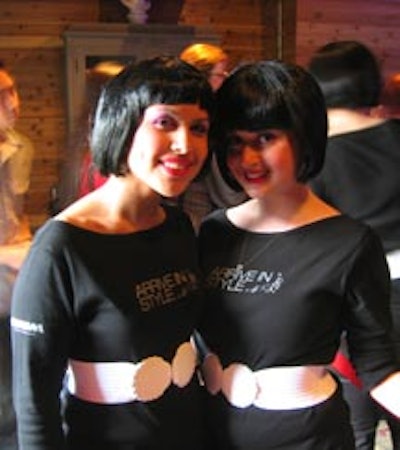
point(210, 59)
point(389, 106)
point(16, 154)
point(360, 178)
point(211, 192)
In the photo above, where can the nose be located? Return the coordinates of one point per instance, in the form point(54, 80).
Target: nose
point(249, 156)
point(181, 141)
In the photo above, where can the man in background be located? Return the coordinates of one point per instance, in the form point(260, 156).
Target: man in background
point(16, 153)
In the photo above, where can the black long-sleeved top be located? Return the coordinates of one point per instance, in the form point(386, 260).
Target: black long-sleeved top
point(284, 299)
point(360, 177)
point(104, 298)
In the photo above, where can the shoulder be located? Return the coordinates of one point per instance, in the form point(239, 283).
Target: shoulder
point(392, 124)
point(215, 225)
point(45, 255)
point(348, 146)
point(50, 231)
point(343, 121)
point(57, 238)
point(177, 217)
point(216, 217)
point(351, 235)
point(343, 223)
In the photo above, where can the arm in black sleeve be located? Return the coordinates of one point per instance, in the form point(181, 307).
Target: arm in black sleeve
point(41, 332)
point(368, 318)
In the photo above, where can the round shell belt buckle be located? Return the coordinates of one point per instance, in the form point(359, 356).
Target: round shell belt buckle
point(239, 385)
point(183, 365)
point(152, 378)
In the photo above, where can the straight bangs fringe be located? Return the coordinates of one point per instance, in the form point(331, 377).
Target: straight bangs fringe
point(173, 93)
point(253, 115)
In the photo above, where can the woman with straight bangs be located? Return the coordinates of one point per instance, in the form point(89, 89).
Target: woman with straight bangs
point(285, 274)
point(109, 291)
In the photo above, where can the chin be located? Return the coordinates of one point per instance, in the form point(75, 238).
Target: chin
point(173, 191)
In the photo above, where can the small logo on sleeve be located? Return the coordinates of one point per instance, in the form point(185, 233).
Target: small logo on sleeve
point(25, 327)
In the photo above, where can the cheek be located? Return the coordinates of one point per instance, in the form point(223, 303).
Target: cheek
point(283, 159)
point(232, 162)
point(138, 155)
point(203, 150)
point(144, 146)
point(197, 150)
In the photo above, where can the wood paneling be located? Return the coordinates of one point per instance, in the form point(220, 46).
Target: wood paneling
point(377, 24)
point(42, 11)
point(249, 29)
point(41, 88)
point(37, 64)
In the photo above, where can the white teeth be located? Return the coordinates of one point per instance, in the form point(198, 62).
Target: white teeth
point(254, 175)
point(174, 165)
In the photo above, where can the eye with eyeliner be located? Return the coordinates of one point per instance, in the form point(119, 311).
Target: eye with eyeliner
point(200, 127)
point(165, 122)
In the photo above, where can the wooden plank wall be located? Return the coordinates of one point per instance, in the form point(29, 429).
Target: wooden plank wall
point(32, 48)
point(249, 29)
point(375, 23)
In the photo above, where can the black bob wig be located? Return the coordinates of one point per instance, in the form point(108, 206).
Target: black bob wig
point(123, 100)
point(272, 94)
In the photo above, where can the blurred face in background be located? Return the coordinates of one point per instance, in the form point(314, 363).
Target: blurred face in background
point(9, 101)
point(209, 59)
point(218, 74)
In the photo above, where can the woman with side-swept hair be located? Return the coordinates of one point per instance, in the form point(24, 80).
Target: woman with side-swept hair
point(285, 273)
point(109, 291)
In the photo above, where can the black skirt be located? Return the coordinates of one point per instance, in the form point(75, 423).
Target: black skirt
point(325, 426)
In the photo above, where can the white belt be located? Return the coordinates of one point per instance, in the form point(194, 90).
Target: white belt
point(277, 388)
point(122, 382)
point(393, 260)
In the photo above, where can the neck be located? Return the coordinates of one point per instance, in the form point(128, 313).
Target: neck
point(283, 212)
point(345, 120)
point(290, 211)
point(118, 207)
point(134, 206)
